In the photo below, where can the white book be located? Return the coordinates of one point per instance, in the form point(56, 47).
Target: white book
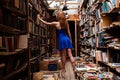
point(105, 58)
point(110, 5)
point(81, 69)
point(23, 41)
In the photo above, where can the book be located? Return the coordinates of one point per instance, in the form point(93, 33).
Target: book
point(110, 5)
point(22, 5)
point(91, 67)
point(30, 26)
point(99, 55)
point(1, 42)
point(10, 44)
point(16, 3)
point(104, 57)
point(23, 41)
point(114, 64)
point(81, 68)
point(104, 7)
point(113, 2)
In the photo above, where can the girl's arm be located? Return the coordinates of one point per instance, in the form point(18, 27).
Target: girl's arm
point(48, 23)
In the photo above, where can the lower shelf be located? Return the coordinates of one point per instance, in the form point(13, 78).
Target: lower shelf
point(111, 69)
point(22, 68)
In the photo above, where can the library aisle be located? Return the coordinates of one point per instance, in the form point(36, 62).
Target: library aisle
point(28, 47)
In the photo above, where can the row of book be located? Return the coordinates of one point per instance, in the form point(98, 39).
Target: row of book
point(101, 56)
point(33, 28)
point(13, 42)
point(107, 6)
point(115, 56)
point(35, 52)
point(32, 12)
point(12, 20)
point(18, 4)
point(17, 62)
point(90, 30)
point(34, 42)
point(103, 39)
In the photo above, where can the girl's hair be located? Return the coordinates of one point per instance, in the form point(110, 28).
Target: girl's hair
point(62, 19)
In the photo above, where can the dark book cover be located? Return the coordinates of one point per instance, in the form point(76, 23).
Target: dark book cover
point(0, 15)
point(10, 44)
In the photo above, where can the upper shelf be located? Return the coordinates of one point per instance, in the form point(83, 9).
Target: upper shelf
point(10, 30)
point(14, 10)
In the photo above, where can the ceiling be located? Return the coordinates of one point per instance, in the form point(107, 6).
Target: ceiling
point(72, 5)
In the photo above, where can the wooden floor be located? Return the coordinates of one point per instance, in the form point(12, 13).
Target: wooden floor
point(69, 74)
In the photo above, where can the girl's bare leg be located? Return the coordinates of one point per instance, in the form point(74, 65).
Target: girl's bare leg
point(69, 51)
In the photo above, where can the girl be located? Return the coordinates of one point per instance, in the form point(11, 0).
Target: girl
point(64, 38)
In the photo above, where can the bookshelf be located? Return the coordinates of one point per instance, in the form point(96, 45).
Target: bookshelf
point(39, 39)
point(23, 39)
point(99, 31)
point(13, 58)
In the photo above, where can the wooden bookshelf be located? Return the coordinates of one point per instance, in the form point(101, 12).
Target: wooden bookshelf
point(38, 34)
point(102, 34)
point(16, 11)
point(22, 37)
point(9, 29)
point(12, 26)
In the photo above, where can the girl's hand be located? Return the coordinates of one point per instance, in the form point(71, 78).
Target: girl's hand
point(40, 17)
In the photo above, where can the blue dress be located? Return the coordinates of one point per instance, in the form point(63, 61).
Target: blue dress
point(63, 40)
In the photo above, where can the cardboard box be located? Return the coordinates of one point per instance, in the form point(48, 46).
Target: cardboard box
point(44, 65)
point(38, 76)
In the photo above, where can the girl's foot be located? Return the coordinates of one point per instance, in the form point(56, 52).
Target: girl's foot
point(63, 73)
point(73, 65)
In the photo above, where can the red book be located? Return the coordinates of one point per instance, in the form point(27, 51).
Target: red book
point(10, 44)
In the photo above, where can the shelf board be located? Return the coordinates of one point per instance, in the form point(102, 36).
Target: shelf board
point(102, 47)
point(14, 10)
point(114, 30)
point(12, 74)
point(34, 34)
point(34, 58)
point(112, 48)
point(85, 52)
point(17, 51)
point(10, 30)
